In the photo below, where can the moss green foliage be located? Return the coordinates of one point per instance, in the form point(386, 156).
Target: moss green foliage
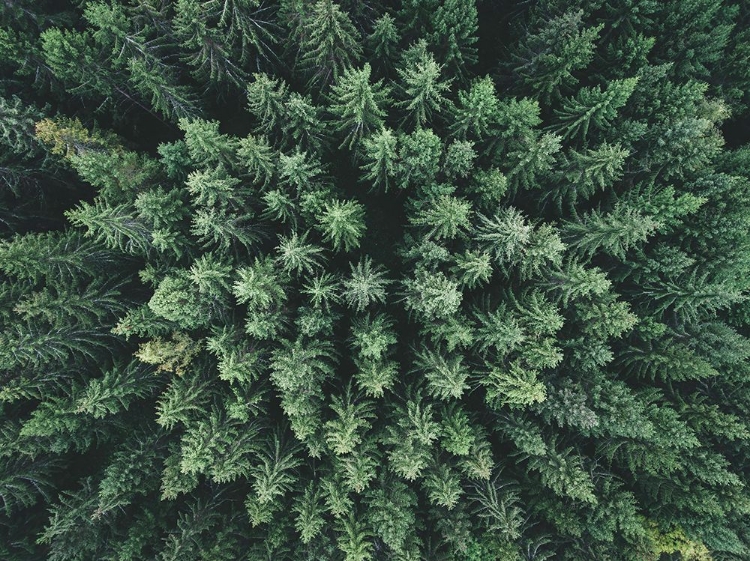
point(460, 280)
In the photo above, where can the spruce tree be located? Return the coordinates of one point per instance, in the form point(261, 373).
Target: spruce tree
point(357, 280)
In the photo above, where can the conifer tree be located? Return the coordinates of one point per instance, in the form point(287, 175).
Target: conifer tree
point(342, 224)
point(419, 156)
point(455, 25)
point(422, 89)
point(354, 280)
point(592, 106)
point(357, 104)
point(383, 40)
point(329, 43)
point(546, 57)
point(365, 285)
point(381, 158)
point(477, 110)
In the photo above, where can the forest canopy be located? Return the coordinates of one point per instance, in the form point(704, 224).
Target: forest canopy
point(361, 280)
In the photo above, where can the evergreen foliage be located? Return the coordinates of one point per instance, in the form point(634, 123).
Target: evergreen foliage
point(374, 281)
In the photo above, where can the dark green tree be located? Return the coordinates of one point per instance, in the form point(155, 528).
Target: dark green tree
point(357, 104)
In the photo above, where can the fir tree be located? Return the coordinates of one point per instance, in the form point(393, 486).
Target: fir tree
point(422, 90)
point(330, 43)
point(381, 158)
point(546, 57)
point(357, 104)
point(351, 280)
point(342, 224)
point(592, 106)
point(365, 285)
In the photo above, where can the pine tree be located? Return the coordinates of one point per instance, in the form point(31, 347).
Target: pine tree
point(372, 337)
point(258, 286)
point(383, 40)
point(473, 268)
point(459, 159)
point(218, 448)
point(309, 509)
point(85, 304)
point(185, 399)
point(360, 467)
point(69, 137)
point(573, 280)
point(344, 431)
point(588, 172)
point(457, 434)
point(23, 480)
point(116, 390)
point(18, 125)
point(298, 370)
point(127, 476)
point(304, 125)
point(72, 58)
point(215, 188)
point(266, 97)
point(374, 377)
point(516, 387)
point(177, 300)
point(693, 296)
point(160, 87)
point(505, 235)
point(443, 486)
point(532, 161)
point(707, 25)
point(353, 540)
point(65, 255)
point(432, 296)
point(392, 513)
point(73, 511)
point(174, 355)
point(206, 146)
point(323, 290)
point(410, 438)
point(295, 255)
point(221, 230)
point(446, 376)
point(250, 26)
point(499, 331)
point(299, 170)
point(488, 188)
point(194, 521)
point(207, 49)
point(163, 209)
point(116, 227)
point(258, 158)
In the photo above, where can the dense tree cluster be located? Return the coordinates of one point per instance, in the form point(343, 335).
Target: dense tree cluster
point(359, 280)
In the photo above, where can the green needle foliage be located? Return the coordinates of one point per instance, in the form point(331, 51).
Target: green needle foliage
point(342, 224)
point(374, 281)
point(329, 42)
point(357, 105)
